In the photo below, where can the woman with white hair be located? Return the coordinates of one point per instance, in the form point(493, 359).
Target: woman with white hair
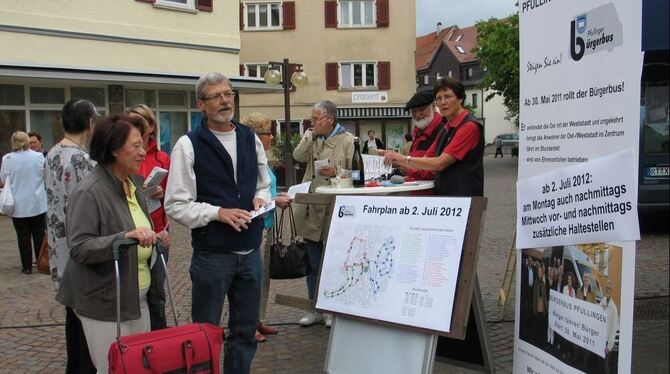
point(25, 170)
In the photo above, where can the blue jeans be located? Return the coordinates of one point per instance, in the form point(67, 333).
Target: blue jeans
point(314, 253)
point(217, 275)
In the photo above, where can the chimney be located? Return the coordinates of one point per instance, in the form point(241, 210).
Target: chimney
point(438, 29)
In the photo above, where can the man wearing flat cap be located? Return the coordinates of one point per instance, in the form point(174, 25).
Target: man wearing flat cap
point(426, 123)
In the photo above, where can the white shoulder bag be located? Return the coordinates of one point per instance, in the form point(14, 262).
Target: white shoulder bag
point(7, 197)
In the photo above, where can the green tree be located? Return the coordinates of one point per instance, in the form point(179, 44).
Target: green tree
point(498, 51)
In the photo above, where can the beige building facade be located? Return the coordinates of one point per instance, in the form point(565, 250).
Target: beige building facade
point(115, 54)
point(358, 54)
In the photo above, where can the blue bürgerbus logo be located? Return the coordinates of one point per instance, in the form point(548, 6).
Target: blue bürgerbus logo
point(594, 31)
point(581, 23)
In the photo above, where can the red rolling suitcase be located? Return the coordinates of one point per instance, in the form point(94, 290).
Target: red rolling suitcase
point(193, 348)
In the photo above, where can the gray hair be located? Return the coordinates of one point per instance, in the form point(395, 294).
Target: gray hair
point(208, 79)
point(328, 107)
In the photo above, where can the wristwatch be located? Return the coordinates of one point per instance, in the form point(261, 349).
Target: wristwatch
point(407, 159)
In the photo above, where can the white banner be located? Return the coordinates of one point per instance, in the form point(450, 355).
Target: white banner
point(394, 259)
point(580, 68)
point(578, 321)
point(580, 82)
point(579, 204)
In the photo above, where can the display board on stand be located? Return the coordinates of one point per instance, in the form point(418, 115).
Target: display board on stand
point(405, 273)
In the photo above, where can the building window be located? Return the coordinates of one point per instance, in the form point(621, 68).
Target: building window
point(296, 127)
point(458, 38)
point(356, 13)
point(11, 95)
point(460, 49)
point(176, 112)
point(95, 95)
point(47, 95)
point(172, 125)
point(358, 75)
point(172, 99)
point(146, 97)
point(256, 70)
point(179, 4)
point(173, 116)
point(474, 100)
point(12, 114)
point(469, 73)
point(262, 16)
point(426, 80)
point(39, 109)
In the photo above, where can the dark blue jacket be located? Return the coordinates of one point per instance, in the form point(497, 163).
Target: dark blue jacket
point(216, 185)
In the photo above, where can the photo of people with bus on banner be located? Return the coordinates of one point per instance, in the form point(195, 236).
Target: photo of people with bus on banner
point(570, 298)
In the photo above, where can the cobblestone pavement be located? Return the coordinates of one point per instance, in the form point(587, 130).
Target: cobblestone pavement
point(32, 332)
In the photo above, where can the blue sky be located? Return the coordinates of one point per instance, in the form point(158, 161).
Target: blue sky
point(463, 13)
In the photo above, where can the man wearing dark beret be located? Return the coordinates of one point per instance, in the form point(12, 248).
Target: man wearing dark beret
point(426, 124)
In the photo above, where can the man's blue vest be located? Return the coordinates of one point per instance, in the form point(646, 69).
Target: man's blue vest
point(216, 185)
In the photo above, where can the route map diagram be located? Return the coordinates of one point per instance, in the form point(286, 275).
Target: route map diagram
point(362, 264)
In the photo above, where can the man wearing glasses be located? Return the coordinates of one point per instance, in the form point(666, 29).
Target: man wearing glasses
point(218, 174)
point(324, 147)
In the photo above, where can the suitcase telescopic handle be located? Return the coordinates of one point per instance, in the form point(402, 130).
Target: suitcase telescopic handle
point(161, 249)
point(117, 248)
point(119, 245)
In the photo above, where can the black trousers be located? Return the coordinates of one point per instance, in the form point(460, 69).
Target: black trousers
point(27, 228)
point(78, 357)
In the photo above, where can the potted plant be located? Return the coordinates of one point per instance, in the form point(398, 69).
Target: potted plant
point(280, 150)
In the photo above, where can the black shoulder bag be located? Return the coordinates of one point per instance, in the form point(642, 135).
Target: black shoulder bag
point(287, 261)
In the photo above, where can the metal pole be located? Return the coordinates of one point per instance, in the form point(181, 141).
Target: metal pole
point(288, 156)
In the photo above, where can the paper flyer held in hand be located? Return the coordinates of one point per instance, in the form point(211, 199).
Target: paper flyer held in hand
point(155, 177)
point(151, 184)
point(262, 210)
point(298, 188)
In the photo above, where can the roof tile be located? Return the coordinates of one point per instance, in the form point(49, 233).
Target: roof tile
point(427, 46)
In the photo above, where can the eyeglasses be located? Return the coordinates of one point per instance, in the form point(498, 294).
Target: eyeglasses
point(221, 95)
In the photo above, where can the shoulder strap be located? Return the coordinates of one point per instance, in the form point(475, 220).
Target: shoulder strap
point(444, 139)
point(277, 230)
point(294, 232)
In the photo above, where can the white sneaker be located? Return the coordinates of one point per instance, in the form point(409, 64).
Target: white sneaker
point(329, 319)
point(311, 318)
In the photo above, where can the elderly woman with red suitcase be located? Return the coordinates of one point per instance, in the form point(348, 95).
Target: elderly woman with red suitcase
point(107, 206)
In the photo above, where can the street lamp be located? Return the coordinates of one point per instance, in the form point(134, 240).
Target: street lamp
point(278, 73)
